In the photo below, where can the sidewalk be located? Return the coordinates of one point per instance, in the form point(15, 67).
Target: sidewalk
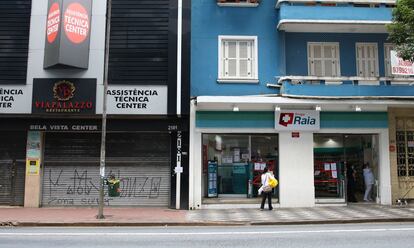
point(355, 213)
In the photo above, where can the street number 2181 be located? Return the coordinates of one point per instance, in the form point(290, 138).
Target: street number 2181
point(172, 128)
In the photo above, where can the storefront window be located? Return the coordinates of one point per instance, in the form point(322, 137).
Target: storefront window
point(233, 163)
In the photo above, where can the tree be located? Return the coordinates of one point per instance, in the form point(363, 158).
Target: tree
point(402, 29)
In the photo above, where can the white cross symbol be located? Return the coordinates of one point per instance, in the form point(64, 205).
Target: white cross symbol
point(286, 118)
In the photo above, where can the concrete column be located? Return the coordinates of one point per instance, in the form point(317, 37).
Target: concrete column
point(392, 126)
point(34, 154)
point(384, 169)
point(198, 170)
point(296, 188)
point(195, 166)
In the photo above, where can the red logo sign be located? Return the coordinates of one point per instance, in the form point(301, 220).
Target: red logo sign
point(286, 119)
point(63, 90)
point(53, 21)
point(76, 23)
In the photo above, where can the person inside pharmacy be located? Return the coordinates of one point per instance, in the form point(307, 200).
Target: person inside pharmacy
point(369, 181)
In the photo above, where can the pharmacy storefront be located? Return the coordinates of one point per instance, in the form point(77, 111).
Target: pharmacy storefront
point(308, 151)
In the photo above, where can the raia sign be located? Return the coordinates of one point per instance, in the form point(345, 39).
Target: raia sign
point(297, 120)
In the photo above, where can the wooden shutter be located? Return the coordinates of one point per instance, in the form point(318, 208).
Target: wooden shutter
point(237, 59)
point(315, 56)
point(387, 59)
point(367, 59)
point(323, 59)
point(244, 59)
point(230, 58)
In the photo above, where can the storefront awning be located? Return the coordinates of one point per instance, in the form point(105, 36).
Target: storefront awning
point(270, 102)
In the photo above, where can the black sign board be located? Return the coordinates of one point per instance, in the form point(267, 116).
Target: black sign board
point(68, 29)
point(51, 123)
point(65, 127)
point(64, 96)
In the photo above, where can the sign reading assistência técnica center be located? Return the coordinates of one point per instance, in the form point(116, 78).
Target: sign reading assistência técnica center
point(53, 21)
point(76, 23)
point(14, 99)
point(143, 99)
point(68, 31)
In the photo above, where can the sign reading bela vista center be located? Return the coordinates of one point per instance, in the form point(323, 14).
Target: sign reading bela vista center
point(64, 96)
point(68, 29)
point(297, 120)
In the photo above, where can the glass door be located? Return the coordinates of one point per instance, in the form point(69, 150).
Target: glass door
point(340, 166)
point(329, 167)
point(361, 154)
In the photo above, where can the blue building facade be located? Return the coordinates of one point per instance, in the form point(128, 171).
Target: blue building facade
point(255, 62)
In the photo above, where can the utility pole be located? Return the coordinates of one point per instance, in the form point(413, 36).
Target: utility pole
point(179, 169)
point(104, 103)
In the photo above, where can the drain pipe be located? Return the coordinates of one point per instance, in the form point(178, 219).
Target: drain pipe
point(179, 53)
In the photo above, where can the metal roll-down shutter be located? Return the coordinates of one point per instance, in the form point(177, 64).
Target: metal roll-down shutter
point(12, 168)
point(140, 160)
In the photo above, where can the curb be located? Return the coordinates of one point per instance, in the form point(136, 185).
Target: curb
point(330, 222)
point(120, 224)
point(207, 223)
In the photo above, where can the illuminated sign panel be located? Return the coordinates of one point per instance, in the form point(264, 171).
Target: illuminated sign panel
point(67, 38)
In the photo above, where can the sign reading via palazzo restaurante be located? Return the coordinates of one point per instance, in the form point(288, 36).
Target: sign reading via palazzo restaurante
point(64, 96)
point(68, 29)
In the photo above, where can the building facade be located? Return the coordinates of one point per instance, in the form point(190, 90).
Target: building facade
point(53, 76)
point(303, 87)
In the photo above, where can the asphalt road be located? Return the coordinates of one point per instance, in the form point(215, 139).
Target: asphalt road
point(384, 235)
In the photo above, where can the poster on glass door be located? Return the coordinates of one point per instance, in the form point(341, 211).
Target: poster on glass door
point(212, 179)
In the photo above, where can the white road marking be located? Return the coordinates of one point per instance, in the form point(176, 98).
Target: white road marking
point(205, 233)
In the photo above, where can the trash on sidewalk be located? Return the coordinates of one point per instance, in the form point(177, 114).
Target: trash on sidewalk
point(113, 186)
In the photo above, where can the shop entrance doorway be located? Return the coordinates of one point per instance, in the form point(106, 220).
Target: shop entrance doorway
point(344, 166)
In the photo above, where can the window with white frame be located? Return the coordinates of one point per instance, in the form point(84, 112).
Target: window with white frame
point(238, 59)
point(387, 59)
point(323, 59)
point(367, 59)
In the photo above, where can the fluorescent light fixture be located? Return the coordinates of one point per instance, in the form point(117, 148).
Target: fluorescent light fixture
point(236, 108)
point(318, 108)
point(358, 108)
point(277, 108)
